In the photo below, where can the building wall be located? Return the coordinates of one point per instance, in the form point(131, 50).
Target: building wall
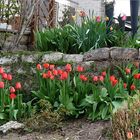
point(95, 6)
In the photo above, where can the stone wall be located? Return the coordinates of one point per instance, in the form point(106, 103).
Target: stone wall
point(23, 64)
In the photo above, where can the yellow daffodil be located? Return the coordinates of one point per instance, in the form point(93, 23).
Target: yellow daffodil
point(111, 28)
point(107, 18)
point(74, 17)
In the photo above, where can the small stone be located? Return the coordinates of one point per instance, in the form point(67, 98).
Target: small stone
point(10, 126)
point(98, 54)
point(76, 58)
point(56, 56)
point(118, 53)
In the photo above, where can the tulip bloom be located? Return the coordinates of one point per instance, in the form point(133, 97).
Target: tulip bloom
point(46, 65)
point(44, 75)
point(55, 72)
point(129, 135)
point(101, 78)
point(128, 71)
point(112, 78)
point(1, 84)
point(60, 71)
point(4, 76)
point(98, 19)
point(132, 87)
point(9, 77)
point(1, 70)
point(51, 67)
point(64, 76)
point(137, 76)
point(39, 67)
point(83, 78)
point(95, 78)
point(82, 14)
point(12, 96)
point(103, 73)
point(124, 85)
point(12, 90)
point(18, 85)
point(68, 67)
point(80, 68)
point(124, 18)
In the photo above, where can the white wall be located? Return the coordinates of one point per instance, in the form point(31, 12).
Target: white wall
point(122, 6)
point(92, 5)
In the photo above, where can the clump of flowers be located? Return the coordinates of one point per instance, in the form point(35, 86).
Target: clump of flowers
point(11, 105)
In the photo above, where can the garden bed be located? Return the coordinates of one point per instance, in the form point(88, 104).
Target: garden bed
point(79, 129)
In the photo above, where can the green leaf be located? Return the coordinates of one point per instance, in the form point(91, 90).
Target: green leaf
point(104, 92)
point(104, 112)
point(15, 113)
point(2, 116)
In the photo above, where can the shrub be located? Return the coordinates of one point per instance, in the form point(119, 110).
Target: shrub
point(125, 122)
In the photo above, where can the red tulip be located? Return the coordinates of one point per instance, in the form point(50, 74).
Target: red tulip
point(137, 76)
point(64, 76)
point(55, 72)
point(18, 85)
point(39, 67)
point(9, 77)
point(44, 75)
point(52, 67)
point(129, 135)
point(68, 67)
point(1, 84)
point(112, 78)
point(49, 74)
point(101, 78)
point(80, 68)
point(52, 77)
point(1, 70)
point(114, 82)
point(12, 90)
point(60, 71)
point(95, 78)
point(4, 76)
point(83, 78)
point(128, 71)
point(12, 96)
point(132, 87)
point(103, 73)
point(124, 85)
point(46, 65)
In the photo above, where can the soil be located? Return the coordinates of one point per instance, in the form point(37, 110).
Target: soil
point(73, 130)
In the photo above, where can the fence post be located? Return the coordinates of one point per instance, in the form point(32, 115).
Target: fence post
point(34, 26)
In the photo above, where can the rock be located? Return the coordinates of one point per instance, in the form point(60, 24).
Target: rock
point(10, 126)
point(76, 58)
point(29, 58)
point(118, 53)
point(98, 54)
point(87, 65)
point(8, 59)
point(56, 56)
